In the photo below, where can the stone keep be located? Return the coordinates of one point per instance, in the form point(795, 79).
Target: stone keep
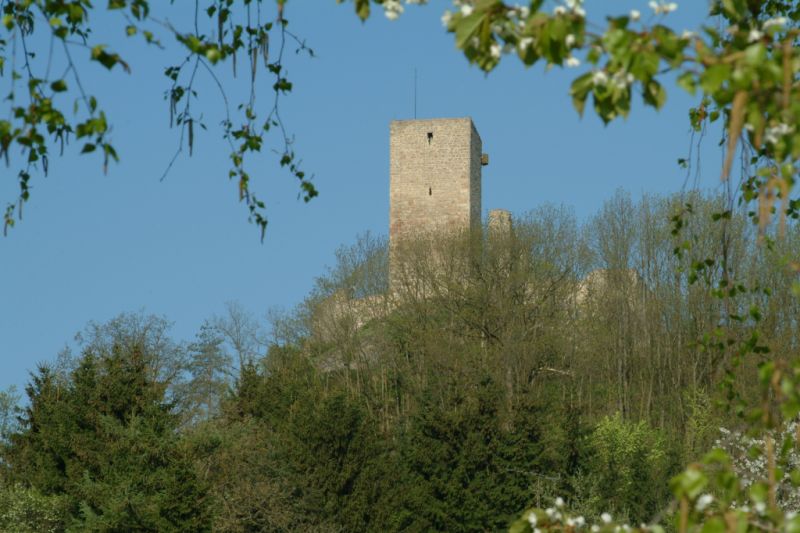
point(435, 177)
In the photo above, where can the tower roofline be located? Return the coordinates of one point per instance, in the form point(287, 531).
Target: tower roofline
point(437, 120)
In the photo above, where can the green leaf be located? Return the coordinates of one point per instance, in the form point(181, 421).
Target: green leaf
point(654, 94)
point(522, 524)
point(687, 82)
point(690, 483)
point(467, 27)
point(758, 492)
point(59, 86)
point(213, 54)
point(793, 525)
point(713, 78)
point(362, 9)
point(103, 57)
point(580, 90)
point(717, 456)
point(755, 54)
point(714, 524)
point(735, 9)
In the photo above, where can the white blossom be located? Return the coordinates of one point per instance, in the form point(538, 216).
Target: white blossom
point(703, 502)
point(466, 10)
point(447, 16)
point(771, 136)
point(738, 446)
point(776, 21)
point(576, 7)
point(635, 15)
point(570, 41)
point(495, 50)
point(688, 34)
point(525, 43)
point(532, 519)
point(662, 8)
point(606, 518)
point(560, 10)
point(755, 35)
point(595, 528)
point(572, 62)
point(559, 502)
point(392, 9)
point(599, 77)
point(622, 79)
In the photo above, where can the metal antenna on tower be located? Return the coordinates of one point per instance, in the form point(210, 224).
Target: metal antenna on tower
point(415, 92)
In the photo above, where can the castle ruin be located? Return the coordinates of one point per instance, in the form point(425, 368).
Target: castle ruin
point(435, 180)
point(435, 189)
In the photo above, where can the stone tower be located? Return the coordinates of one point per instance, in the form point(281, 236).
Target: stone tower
point(435, 177)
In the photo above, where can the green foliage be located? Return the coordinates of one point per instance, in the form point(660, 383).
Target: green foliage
point(701, 428)
point(103, 440)
point(468, 467)
point(208, 367)
point(628, 466)
point(28, 511)
point(557, 359)
point(42, 117)
point(494, 378)
point(9, 405)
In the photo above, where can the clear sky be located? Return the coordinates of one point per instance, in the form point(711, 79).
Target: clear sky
point(91, 246)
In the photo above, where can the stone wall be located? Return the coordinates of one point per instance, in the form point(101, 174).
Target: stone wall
point(435, 178)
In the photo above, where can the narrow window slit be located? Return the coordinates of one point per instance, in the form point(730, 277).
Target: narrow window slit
point(430, 137)
point(430, 191)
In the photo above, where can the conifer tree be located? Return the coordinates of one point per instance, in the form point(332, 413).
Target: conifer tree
point(106, 439)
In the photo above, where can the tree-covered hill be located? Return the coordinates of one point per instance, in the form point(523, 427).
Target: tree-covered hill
point(565, 358)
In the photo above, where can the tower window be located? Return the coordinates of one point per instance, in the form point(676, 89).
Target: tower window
point(430, 137)
point(430, 191)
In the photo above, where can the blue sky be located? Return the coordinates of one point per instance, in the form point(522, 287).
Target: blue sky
point(91, 246)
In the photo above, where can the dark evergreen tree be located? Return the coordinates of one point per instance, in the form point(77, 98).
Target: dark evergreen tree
point(107, 440)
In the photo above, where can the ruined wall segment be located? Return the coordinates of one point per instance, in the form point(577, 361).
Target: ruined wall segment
point(500, 222)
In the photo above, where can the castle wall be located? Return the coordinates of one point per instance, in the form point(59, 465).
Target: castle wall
point(435, 178)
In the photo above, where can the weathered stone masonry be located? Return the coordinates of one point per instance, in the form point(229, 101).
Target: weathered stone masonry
point(435, 177)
